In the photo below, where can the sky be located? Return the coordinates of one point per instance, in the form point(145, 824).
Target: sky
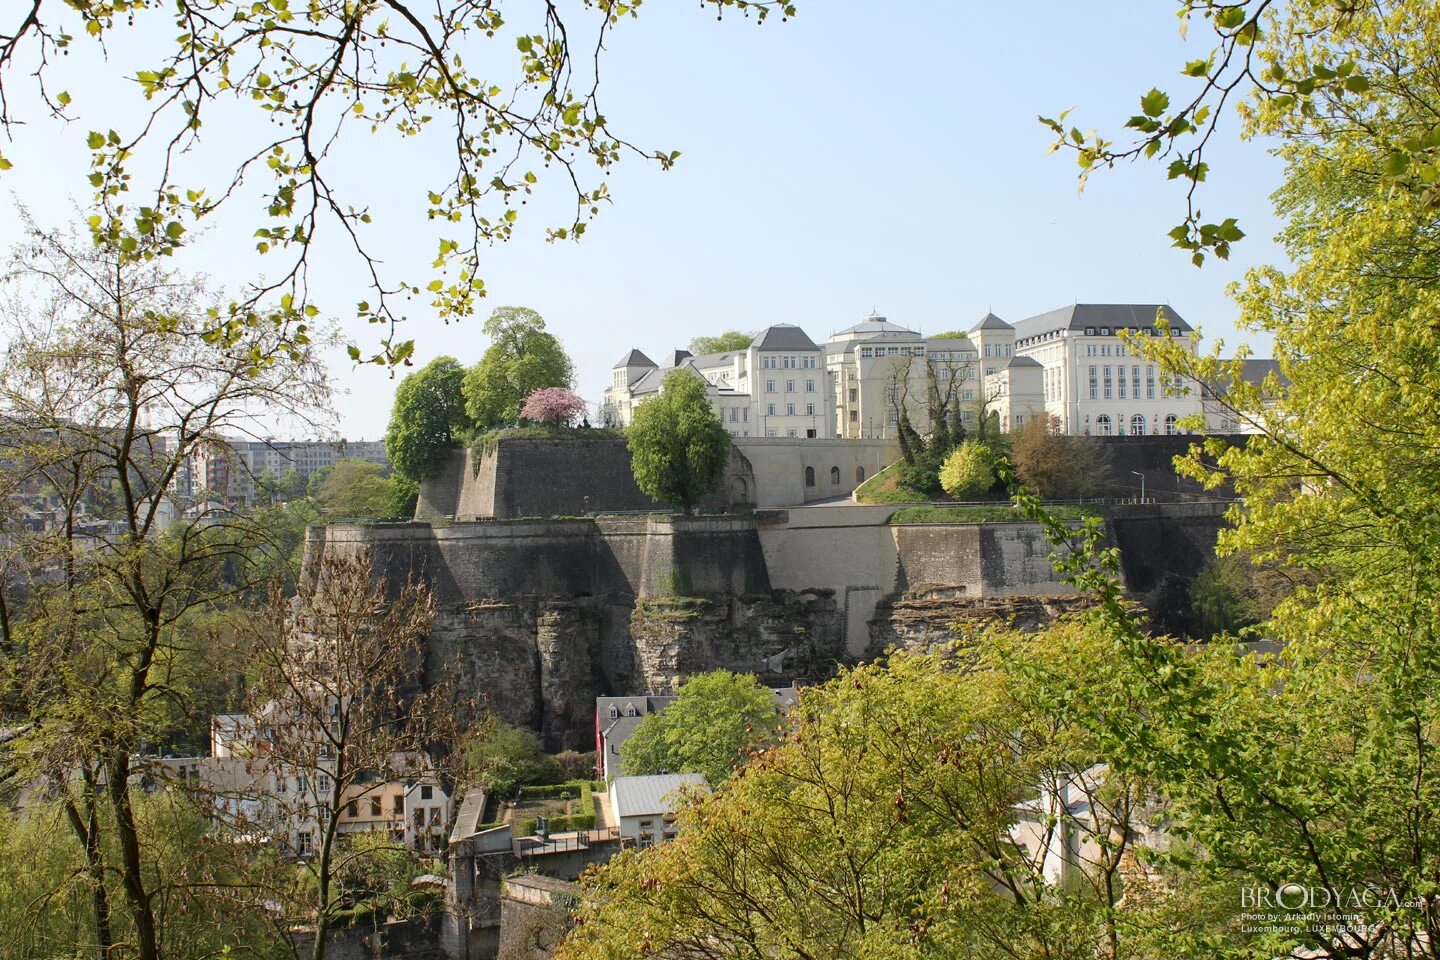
point(860, 156)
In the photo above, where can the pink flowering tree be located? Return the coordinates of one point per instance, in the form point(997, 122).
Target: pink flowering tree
point(552, 406)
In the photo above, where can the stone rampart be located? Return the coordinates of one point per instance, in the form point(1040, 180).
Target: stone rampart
point(529, 477)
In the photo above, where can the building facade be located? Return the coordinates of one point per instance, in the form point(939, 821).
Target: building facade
point(1071, 363)
point(1096, 385)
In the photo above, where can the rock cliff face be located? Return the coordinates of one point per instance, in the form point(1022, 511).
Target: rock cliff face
point(540, 662)
point(927, 616)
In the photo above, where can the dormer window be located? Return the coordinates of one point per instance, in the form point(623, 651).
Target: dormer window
point(614, 711)
point(1104, 331)
point(630, 710)
point(1089, 331)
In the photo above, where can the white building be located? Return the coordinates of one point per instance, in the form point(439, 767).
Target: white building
point(644, 807)
point(775, 387)
point(1095, 385)
point(1070, 363)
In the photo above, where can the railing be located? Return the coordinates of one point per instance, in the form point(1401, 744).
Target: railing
point(563, 843)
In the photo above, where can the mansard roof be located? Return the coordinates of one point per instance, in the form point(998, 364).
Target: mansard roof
point(783, 336)
point(635, 359)
point(1079, 316)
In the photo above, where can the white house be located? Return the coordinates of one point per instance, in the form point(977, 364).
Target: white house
point(644, 807)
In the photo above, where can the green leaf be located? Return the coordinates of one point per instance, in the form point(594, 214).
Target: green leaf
point(1154, 103)
point(95, 140)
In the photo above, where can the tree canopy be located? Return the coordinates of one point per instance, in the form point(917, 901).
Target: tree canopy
point(1056, 465)
point(503, 101)
point(716, 722)
point(427, 419)
point(969, 471)
point(678, 447)
point(721, 342)
point(522, 358)
point(500, 757)
point(357, 488)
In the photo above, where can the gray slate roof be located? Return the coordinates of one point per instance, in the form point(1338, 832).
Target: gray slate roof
point(635, 359)
point(783, 336)
point(1023, 362)
point(1253, 372)
point(991, 322)
point(677, 357)
point(1078, 316)
point(644, 796)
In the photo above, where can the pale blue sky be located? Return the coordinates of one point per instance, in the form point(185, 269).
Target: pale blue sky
point(862, 155)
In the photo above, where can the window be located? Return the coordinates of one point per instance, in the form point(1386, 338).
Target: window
point(809, 476)
point(789, 386)
point(1170, 428)
point(854, 416)
point(397, 804)
point(1149, 383)
point(614, 711)
point(892, 351)
point(770, 409)
point(352, 809)
point(303, 842)
point(892, 418)
point(769, 386)
point(1107, 383)
point(866, 352)
point(1135, 382)
point(810, 434)
point(789, 363)
point(968, 395)
point(1122, 383)
point(789, 409)
point(374, 806)
point(767, 363)
point(859, 475)
point(809, 363)
point(809, 386)
point(427, 792)
point(854, 395)
point(1102, 422)
point(789, 433)
point(1137, 426)
point(1104, 331)
point(745, 416)
point(771, 433)
point(630, 710)
point(835, 476)
point(1089, 331)
point(434, 816)
point(734, 414)
point(809, 409)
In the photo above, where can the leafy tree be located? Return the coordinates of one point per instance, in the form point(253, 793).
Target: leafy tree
point(1055, 465)
point(401, 497)
point(969, 471)
point(553, 406)
point(356, 488)
point(427, 419)
point(500, 757)
point(521, 359)
point(108, 356)
point(716, 722)
point(326, 78)
point(342, 719)
point(727, 342)
point(678, 447)
point(892, 823)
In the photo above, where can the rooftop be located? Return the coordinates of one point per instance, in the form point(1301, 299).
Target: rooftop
point(783, 336)
point(991, 322)
point(635, 359)
point(1113, 316)
point(658, 793)
point(874, 323)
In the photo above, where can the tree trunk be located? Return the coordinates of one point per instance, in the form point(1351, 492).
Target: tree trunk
point(141, 908)
point(87, 831)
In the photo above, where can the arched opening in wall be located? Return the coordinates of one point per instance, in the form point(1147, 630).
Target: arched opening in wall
point(859, 475)
point(742, 492)
point(1137, 426)
point(809, 476)
point(835, 476)
point(1170, 422)
point(1102, 424)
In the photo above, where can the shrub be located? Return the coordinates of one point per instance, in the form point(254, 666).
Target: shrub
point(552, 406)
point(969, 471)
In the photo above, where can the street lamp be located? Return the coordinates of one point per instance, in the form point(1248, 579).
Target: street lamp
point(1142, 484)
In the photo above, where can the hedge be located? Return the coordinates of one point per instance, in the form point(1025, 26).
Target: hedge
point(583, 819)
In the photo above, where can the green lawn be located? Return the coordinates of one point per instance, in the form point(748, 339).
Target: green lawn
point(885, 487)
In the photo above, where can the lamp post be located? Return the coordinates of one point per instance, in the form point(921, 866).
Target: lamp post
point(1142, 484)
